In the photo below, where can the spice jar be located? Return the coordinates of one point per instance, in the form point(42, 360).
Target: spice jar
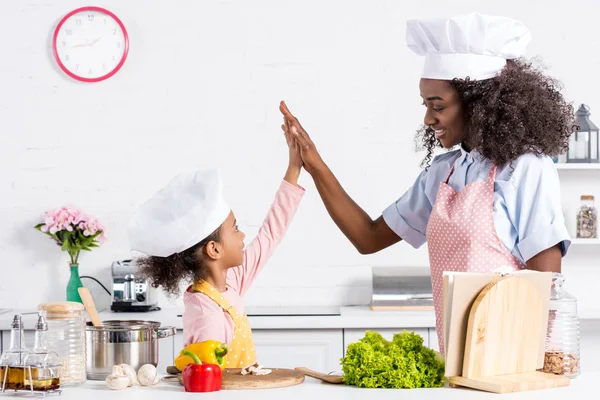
point(66, 337)
point(562, 337)
point(587, 218)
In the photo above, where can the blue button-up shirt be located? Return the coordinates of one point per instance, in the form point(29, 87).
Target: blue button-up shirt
point(527, 208)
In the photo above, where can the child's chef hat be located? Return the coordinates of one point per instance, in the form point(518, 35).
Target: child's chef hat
point(180, 215)
point(473, 45)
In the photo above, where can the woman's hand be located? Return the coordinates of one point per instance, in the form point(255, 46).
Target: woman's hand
point(310, 156)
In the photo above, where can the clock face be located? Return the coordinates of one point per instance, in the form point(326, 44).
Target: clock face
point(90, 44)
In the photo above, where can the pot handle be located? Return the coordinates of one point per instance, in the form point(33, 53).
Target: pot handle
point(165, 331)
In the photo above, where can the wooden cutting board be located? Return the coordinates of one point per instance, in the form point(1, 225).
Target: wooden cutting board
point(233, 380)
point(460, 290)
point(504, 329)
point(503, 338)
point(533, 380)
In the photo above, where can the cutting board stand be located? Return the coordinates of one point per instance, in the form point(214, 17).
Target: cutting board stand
point(503, 340)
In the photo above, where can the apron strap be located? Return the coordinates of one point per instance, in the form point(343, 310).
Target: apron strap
point(490, 178)
point(451, 170)
point(209, 290)
point(492, 174)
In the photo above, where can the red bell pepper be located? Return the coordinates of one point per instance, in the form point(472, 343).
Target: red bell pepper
point(199, 377)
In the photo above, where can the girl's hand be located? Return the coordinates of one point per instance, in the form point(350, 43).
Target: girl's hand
point(295, 164)
point(293, 146)
point(310, 156)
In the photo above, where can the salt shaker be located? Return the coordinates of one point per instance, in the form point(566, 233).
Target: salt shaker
point(66, 337)
point(562, 337)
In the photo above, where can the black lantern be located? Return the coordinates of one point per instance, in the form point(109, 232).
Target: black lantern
point(583, 144)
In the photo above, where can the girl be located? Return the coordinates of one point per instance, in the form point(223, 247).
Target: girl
point(188, 233)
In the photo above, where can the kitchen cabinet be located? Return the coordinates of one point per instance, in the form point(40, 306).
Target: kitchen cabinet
point(166, 353)
point(354, 335)
point(318, 349)
point(433, 339)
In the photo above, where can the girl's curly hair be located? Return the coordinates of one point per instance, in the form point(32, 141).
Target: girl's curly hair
point(170, 271)
point(520, 111)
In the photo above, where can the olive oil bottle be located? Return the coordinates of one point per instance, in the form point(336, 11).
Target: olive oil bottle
point(12, 362)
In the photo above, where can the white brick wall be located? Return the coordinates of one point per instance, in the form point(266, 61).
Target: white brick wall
point(201, 87)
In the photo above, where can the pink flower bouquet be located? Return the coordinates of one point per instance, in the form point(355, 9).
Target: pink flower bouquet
point(72, 230)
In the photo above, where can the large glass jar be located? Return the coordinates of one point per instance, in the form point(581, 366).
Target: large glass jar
point(66, 337)
point(562, 338)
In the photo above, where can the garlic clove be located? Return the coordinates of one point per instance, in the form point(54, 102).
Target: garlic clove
point(148, 375)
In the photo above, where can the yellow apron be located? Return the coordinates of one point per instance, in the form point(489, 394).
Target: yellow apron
point(241, 352)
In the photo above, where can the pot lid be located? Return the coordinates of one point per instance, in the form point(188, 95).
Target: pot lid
point(124, 325)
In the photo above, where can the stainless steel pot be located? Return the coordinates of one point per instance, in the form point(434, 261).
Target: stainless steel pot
point(122, 342)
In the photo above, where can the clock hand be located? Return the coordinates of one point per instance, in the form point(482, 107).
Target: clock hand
point(95, 41)
point(87, 43)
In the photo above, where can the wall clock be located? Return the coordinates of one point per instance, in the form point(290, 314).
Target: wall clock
point(90, 44)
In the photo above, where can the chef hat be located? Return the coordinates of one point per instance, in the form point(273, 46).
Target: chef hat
point(180, 215)
point(472, 45)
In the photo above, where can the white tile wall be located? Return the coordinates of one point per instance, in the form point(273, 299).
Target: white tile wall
point(201, 88)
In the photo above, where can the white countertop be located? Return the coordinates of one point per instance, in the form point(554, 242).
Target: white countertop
point(584, 387)
point(348, 317)
point(279, 318)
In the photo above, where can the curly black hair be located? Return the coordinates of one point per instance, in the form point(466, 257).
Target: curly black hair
point(518, 112)
point(170, 271)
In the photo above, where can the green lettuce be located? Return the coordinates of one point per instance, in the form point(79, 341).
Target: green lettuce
point(374, 362)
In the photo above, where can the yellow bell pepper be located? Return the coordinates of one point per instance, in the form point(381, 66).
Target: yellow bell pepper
point(209, 351)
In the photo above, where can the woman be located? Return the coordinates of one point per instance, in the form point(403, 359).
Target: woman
point(494, 201)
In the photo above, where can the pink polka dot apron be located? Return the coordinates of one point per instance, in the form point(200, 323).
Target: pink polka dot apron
point(241, 351)
point(461, 236)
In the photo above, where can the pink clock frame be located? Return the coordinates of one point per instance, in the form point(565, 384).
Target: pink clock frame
point(125, 45)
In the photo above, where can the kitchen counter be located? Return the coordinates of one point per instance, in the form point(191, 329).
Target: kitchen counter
point(348, 317)
point(279, 318)
point(584, 387)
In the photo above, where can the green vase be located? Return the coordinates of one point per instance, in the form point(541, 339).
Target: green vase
point(74, 284)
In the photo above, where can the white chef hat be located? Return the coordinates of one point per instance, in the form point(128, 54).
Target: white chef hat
point(180, 215)
point(472, 45)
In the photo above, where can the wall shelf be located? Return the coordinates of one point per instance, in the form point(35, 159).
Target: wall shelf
point(585, 241)
point(590, 166)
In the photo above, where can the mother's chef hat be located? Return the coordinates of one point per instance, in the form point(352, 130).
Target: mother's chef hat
point(180, 215)
point(473, 45)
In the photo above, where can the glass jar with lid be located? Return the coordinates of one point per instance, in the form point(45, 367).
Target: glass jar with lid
point(562, 338)
point(66, 337)
point(587, 218)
